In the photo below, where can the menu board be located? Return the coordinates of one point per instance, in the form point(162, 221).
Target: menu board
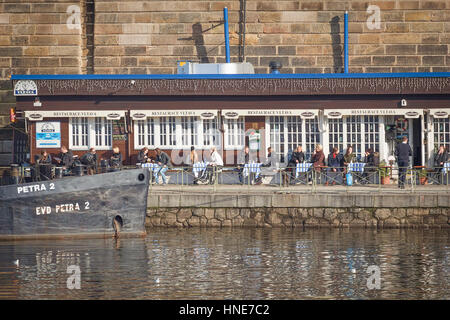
point(118, 130)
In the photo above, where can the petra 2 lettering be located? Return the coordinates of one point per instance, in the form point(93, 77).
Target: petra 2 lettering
point(63, 208)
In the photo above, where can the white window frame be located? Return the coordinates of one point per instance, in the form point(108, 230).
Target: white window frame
point(194, 131)
point(91, 134)
point(145, 133)
point(438, 133)
point(361, 134)
point(234, 129)
point(282, 143)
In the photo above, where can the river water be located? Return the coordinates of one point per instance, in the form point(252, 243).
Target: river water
point(232, 264)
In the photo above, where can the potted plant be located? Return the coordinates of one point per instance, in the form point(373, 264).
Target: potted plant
point(383, 171)
point(423, 179)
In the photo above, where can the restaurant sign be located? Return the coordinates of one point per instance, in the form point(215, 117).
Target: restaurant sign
point(39, 115)
point(338, 113)
point(142, 114)
point(25, 88)
point(48, 134)
point(234, 114)
point(440, 113)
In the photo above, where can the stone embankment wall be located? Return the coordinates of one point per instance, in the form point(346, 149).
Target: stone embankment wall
point(288, 210)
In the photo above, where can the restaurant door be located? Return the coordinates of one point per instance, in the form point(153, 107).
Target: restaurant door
point(415, 141)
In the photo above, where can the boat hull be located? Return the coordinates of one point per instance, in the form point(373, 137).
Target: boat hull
point(76, 206)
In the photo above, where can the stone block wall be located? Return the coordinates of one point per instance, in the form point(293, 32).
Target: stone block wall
point(299, 217)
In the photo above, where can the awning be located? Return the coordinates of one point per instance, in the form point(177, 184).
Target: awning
point(234, 114)
point(143, 114)
point(338, 113)
point(440, 113)
point(108, 114)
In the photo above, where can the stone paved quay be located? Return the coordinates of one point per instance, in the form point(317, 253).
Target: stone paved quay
point(298, 206)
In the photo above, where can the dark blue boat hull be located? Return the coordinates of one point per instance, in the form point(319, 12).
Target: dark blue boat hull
point(76, 206)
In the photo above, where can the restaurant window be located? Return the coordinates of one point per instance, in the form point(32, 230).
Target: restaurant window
point(336, 134)
point(286, 133)
point(294, 133)
point(312, 136)
point(145, 133)
point(371, 127)
point(211, 135)
point(353, 135)
point(168, 131)
point(88, 133)
point(234, 133)
point(189, 132)
point(441, 131)
point(103, 132)
point(345, 132)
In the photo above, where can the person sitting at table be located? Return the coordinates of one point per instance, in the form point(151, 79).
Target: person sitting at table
point(335, 164)
point(297, 157)
point(372, 161)
point(243, 159)
point(142, 156)
point(163, 161)
point(89, 159)
point(115, 161)
point(215, 164)
point(440, 158)
point(318, 160)
point(44, 158)
point(269, 167)
point(65, 159)
point(349, 156)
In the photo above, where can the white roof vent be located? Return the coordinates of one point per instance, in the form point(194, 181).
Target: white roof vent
point(187, 67)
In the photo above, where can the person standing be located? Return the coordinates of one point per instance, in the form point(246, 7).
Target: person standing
point(163, 161)
point(402, 153)
point(440, 158)
point(191, 161)
point(214, 165)
point(243, 159)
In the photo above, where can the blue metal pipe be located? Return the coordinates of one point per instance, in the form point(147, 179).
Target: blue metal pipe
point(346, 42)
point(227, 36)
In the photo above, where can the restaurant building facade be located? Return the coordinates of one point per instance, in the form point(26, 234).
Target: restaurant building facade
point(175, 112)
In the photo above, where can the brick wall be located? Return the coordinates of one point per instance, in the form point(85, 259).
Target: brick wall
point(150, 36)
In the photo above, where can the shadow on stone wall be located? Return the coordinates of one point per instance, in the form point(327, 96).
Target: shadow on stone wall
point(336, 43)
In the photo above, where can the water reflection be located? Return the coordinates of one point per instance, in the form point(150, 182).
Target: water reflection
point(232, 264)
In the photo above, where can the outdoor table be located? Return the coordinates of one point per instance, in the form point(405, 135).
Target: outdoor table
point(199, 167)
point(302, 168)
point(150, 166)
point(252, 168)
point(356, 167)
point(446, 167)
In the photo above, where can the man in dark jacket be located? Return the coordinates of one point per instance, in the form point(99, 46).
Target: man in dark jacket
point(65, 158)
point(163, 160)
point(89, 159)
point(402, 153)
point(297, 157)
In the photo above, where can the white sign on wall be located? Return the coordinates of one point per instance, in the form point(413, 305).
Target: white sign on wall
point(48, 134)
